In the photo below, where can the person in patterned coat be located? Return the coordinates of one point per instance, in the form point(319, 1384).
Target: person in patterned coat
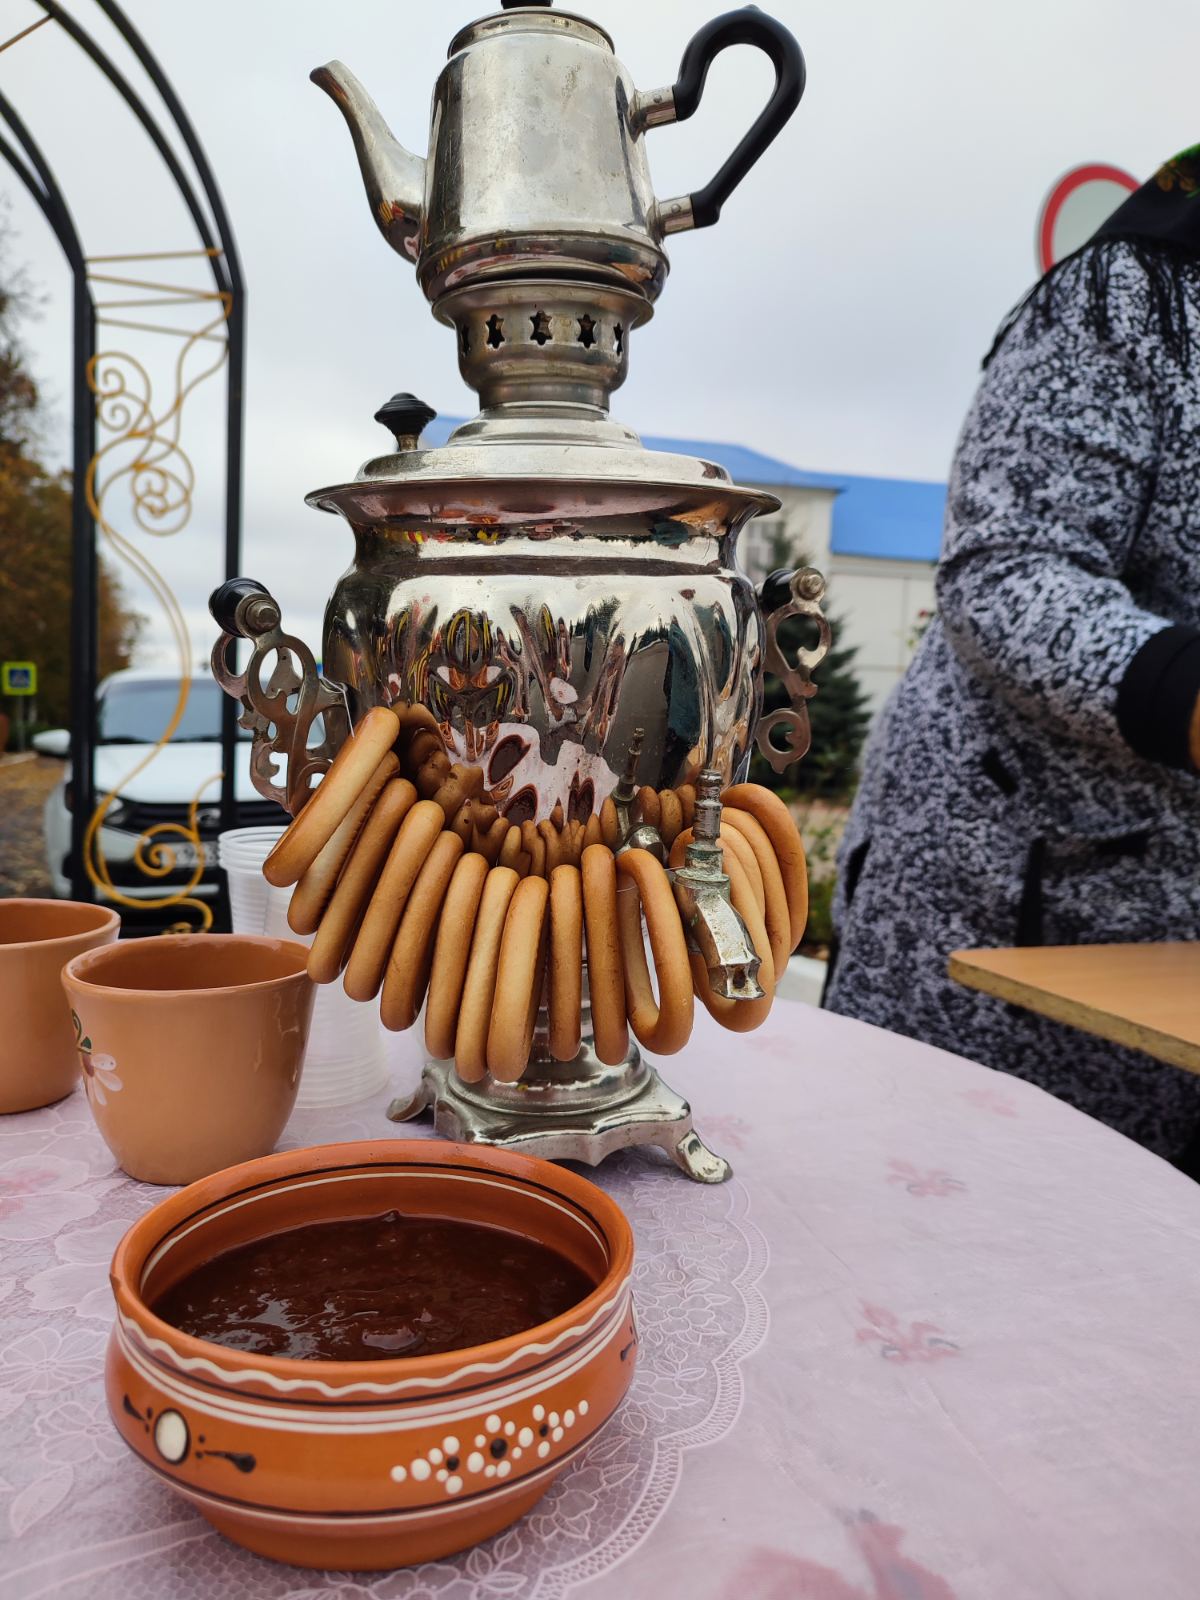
point(1034, 777)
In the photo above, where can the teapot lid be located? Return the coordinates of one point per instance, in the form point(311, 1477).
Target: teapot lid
point(532, 16)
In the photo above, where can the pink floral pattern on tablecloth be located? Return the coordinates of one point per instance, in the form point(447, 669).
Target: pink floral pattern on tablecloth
point(892, 1575)
point(39, 1195)
point(916, 1341)
point(992, 1100)
point(932, 1182)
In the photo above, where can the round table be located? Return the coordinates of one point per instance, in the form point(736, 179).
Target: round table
point(936, 1340)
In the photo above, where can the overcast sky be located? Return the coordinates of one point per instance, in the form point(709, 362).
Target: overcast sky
point(835, 317)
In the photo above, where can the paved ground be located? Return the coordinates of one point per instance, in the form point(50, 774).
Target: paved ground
point(24, 785)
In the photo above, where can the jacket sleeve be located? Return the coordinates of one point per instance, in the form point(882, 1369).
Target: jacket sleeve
point(1052, 481)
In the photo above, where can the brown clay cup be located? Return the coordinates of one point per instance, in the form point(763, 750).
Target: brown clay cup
point(39, 1061)
point(191, 1047)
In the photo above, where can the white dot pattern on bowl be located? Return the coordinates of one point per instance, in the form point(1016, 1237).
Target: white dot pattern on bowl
point(505, 1441)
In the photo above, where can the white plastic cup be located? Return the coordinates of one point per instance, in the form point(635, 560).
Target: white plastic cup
point(345, 1059)
point(241, 853)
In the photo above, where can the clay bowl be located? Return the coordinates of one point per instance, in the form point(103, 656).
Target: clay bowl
point(192, 1047)
point(39, 1058)
point(370, 1464)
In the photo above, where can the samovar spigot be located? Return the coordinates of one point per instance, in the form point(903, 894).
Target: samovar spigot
point(633, 833)
point(713, 927)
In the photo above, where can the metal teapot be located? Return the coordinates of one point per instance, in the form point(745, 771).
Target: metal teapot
point(537, 155)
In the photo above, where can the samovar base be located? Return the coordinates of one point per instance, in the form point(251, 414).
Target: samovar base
point(580, 1110)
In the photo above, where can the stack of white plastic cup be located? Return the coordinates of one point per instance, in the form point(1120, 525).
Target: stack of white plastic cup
point(345, 1058)
point(242, 851)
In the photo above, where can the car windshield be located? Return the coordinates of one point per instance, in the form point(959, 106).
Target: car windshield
point(137, 711)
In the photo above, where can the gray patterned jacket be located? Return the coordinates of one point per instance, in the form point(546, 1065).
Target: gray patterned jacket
point(1003, 799)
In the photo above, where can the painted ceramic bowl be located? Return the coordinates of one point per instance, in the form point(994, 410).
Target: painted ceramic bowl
point(370, 1464)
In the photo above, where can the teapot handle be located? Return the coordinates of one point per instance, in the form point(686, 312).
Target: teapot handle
point(702, 207)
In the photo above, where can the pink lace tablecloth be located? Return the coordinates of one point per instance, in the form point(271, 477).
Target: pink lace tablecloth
point(939, 1339)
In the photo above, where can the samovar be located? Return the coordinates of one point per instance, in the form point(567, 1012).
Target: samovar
point(567, 604)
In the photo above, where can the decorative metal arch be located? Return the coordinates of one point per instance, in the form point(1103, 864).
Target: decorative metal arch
point(158, 488)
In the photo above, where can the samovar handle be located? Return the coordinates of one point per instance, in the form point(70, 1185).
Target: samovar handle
point(652, 109)
point(782, 595)
point(281, 712)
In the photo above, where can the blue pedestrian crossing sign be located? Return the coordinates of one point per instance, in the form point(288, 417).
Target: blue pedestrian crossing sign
point(18, 677)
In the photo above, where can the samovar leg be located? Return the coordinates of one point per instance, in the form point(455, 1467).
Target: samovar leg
point(701, 1164)
point(409, 1109)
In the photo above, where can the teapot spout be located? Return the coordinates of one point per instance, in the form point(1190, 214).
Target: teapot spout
point(394, 177)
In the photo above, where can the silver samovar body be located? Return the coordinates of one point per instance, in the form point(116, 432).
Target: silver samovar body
point(543, 626)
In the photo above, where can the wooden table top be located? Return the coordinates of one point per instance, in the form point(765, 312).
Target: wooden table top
point(1143, 995)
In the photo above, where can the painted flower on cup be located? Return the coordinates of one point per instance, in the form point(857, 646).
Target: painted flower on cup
point(99, 1071)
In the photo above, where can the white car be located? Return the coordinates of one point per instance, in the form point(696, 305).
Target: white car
point(132, 709)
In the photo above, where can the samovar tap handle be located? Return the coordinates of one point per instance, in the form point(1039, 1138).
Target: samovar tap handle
point(652, 108)
point(783, 595)
point(280, 713)
point(710, 921)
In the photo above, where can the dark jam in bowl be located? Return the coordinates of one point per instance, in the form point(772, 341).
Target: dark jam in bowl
point(374, 1288)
